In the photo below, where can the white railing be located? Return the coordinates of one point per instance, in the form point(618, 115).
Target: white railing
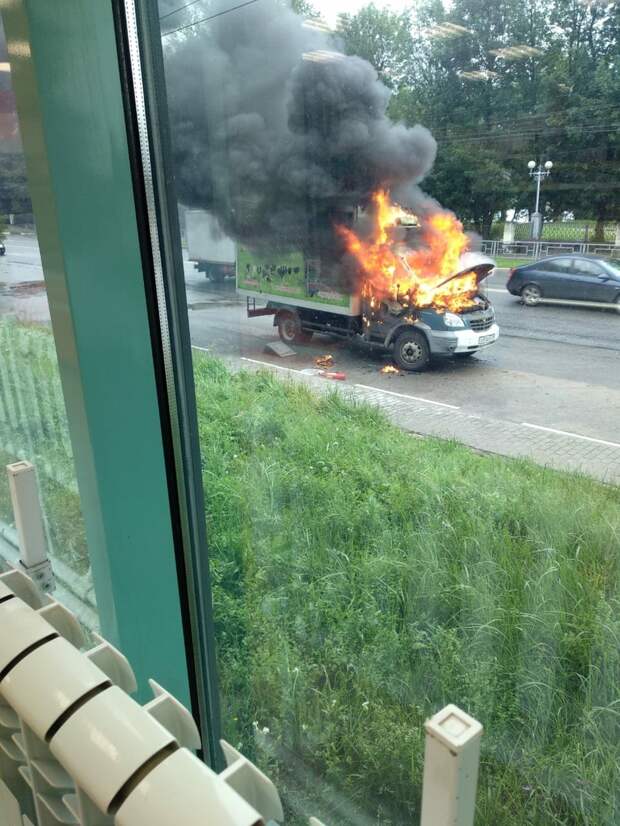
point(541, 249)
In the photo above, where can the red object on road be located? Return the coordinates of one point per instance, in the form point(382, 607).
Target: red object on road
point(326, 374)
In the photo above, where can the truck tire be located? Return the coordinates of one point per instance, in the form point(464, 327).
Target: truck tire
point(411, 351)
point(216, 274)
point(289, 328)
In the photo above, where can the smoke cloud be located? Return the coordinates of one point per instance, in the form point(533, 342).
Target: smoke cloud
point(276, 137)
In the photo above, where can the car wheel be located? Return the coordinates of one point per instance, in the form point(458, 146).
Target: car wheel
point(617, 303)
point(289, 328)
point(411, 351)
point(531, 295)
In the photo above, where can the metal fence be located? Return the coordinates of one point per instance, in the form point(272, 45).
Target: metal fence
point(542, 248)
point(561, 231)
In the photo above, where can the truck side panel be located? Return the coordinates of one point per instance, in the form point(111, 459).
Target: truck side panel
point(286, 278)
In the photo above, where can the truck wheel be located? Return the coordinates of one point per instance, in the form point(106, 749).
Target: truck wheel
point(411, 351)
point(216, 274)
point(289, 328)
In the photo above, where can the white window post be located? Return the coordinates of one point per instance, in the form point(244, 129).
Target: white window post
point(451, 760)
point(29, 523)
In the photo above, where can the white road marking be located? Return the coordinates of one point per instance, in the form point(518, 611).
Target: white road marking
point(429, 401)
point(411, 398)
point(602, 305)
point(269, 364)
point(572, 435)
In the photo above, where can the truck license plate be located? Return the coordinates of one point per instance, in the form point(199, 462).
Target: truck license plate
point(486, 339)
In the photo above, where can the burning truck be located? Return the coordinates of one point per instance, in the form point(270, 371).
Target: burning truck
point(410, 286)
point(279, 150)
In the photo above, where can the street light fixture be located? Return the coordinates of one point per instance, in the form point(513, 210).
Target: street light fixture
point(538, 173)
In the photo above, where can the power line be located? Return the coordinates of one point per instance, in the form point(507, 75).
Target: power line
point(174, 11)
point(609, 108)
point(211, 17)
point(525, 135)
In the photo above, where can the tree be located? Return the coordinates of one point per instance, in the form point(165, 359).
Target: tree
point(14, 197)
point(304, 8)
point(381, 37)
point(584, 130)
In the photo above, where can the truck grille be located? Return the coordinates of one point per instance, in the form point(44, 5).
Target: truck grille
point(480, 323)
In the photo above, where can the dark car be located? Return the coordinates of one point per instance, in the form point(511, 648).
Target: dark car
point(567, 278)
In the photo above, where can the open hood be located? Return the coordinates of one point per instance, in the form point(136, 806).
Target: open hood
point(474, 262)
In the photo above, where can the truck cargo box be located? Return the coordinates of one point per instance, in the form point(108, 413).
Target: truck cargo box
point(289, 278)
point(206, 243)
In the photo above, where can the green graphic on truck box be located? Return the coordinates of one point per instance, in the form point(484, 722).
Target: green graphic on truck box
point(287, 276)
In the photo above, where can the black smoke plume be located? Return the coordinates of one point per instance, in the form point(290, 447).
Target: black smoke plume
point(278, 134)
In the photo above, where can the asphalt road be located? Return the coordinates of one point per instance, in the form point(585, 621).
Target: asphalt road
point(22, 261)
point(22, 291)
point(553, 366)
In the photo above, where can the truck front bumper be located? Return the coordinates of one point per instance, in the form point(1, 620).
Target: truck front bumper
point(449, 342)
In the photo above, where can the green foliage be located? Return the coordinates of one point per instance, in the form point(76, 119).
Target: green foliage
point(33, 426)
point(383, 38)
point(14, 195)
point(362, 579)
point(492, 110)
point(304, 8)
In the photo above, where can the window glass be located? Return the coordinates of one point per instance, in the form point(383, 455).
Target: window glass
point(585, 267)
point(561, 265)
point(33, 421)
point(614, 267)
point(411, 487)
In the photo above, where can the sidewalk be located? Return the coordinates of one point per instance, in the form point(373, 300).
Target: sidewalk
point(556, 450)
point(595, 458)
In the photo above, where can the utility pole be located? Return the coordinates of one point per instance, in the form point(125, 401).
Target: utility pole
point(538, 173)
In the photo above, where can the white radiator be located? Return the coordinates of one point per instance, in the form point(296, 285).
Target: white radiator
point(76, 749)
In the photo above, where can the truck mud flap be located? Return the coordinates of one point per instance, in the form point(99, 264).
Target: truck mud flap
point(254, 311)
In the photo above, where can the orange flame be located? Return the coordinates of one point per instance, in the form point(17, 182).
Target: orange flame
point(413, 277)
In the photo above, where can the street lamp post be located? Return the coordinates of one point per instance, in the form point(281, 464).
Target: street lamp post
point(538, 173)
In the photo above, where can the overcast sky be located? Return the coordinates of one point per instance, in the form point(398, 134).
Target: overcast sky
point(330, 9)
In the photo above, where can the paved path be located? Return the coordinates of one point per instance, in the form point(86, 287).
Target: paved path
point(556, 449)
point(597, 458)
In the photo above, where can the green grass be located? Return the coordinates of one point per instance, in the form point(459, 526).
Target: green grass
point(363, 579)
point(503, 261)
point(33, 426)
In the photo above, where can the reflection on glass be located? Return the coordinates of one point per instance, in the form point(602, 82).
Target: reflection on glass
point(33, 423)
point(348, 185)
